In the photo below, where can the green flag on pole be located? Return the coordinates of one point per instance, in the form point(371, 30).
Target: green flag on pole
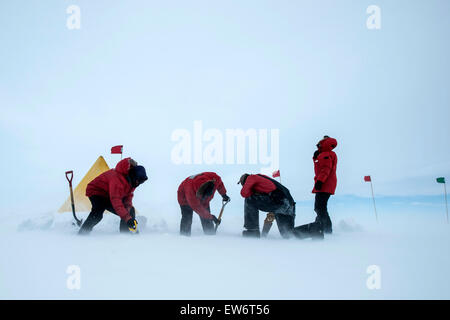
point(442, 180)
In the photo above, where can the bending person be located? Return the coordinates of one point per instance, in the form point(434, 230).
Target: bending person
point(194, 194)
point(113, 191)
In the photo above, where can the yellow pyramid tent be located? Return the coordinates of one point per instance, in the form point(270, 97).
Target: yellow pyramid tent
point(82, 202)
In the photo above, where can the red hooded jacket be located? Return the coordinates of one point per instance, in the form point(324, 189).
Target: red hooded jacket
point(256, 184)
point(114, 185)
point(188, 189)
point(325, 166)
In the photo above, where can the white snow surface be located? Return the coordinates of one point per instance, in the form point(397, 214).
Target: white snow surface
point(412, 256)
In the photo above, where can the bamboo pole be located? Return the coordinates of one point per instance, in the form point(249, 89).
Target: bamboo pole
point(446, 204)
point(373, 198)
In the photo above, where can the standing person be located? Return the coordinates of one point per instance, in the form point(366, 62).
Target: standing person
point(325, 181)
point(268, 195)
point(194, 194)
point(113, 191)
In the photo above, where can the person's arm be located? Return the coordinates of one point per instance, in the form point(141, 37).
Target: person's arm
point(325, 166)
point(115, 195)
point(316, 154)
point(128, 201)
point(220, 186)
point(196, 205)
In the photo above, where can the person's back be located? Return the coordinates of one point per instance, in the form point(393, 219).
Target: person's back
point(257, 183)
point(195, 182)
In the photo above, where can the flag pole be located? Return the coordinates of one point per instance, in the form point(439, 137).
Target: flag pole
point(373, 198)
point(445, 196)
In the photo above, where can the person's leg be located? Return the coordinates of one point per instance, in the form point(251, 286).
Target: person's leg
point(251, 215)
point(186, 220)
point(311, 230)
point(328, 225)
point(285, 223)
point(98, 207)
point(208, 225)
point(252, 206)
point(285, 217)
point(320, 207)
point(123, 227)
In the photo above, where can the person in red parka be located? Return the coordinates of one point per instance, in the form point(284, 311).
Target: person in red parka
point(325, 162)
point(325, 180)
point(194, 194)
point(113, 191)
point(262, 193)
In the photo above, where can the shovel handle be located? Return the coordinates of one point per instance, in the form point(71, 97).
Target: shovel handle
point(71, 176)
point(224, 203)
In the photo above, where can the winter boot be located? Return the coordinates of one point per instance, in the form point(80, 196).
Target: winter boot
point(311, 230)
point(326, 223)
point(251, 233)
point(328, 228)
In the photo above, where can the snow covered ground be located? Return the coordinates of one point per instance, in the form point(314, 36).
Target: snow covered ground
point(414, 261)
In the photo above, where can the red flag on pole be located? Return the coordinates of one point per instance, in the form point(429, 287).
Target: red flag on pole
point(116, 149)
point(369, 179)
point(276, 174)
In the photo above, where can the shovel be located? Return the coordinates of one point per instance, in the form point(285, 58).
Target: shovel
point(70, 173)
point(224, 203)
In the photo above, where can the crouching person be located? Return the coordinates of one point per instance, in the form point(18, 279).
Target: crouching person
point(194, 194)
point(113, 191)
point(268, 195)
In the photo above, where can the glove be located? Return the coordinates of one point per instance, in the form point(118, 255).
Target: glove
point(216, 221)
point(316, 154)
point(225, 198)
point(318, 185)
point(132, 225)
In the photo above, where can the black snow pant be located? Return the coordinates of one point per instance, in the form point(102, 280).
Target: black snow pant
point(99, 205)
point(186, 222)
point(284, 213)
point(320, 207)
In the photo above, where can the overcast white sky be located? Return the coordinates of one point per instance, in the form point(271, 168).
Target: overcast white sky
point(138, 70)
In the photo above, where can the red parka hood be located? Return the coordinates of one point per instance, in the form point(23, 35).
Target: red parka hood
point(123, 166)
point(327, 144)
